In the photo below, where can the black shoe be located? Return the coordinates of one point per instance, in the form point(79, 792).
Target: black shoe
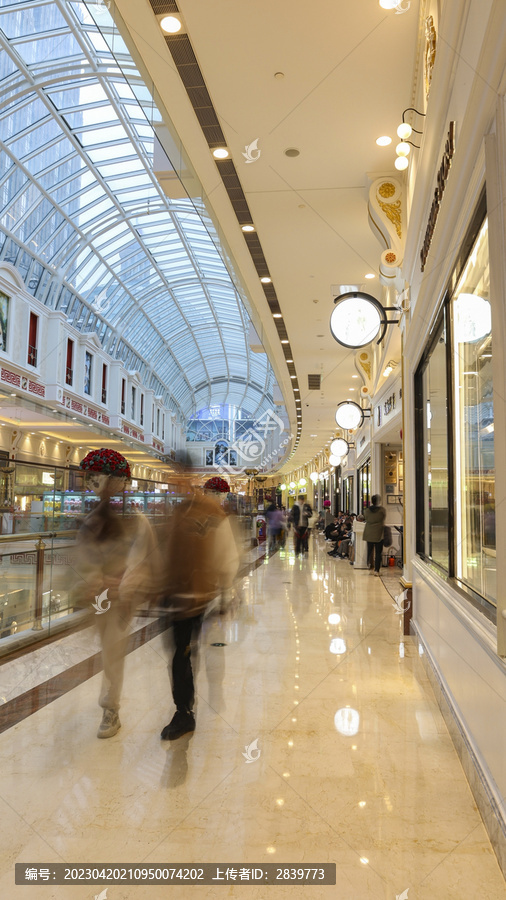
point(183, 721)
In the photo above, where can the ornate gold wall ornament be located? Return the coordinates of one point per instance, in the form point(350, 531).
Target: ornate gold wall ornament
point(386, 190)
point(430, 52)
point(393, 212)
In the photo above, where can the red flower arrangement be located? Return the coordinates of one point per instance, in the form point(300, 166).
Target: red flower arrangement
point(326, 504)
point(217, 484)
point(107, 462)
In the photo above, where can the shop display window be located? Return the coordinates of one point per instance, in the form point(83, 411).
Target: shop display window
point(432, 451)
point(455, 463)
point(474, 423)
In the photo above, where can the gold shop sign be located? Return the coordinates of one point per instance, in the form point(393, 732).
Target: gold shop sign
point(442, 177)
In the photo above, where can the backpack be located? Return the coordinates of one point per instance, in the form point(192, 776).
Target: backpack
point(387, 536)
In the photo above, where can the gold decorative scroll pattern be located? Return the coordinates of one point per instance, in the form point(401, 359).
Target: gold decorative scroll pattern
point(366, 365)
point(393, 212)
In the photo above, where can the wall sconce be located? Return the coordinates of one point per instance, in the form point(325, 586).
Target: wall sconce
point(405, 131)
point(358, 318)
point(340, 447)
point(390, 366)
point(350, 415)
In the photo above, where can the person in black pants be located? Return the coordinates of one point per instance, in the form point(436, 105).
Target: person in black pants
point(301, 513)
point(200, 561)
point(374, 529)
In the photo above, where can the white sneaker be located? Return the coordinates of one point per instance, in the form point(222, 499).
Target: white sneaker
point(109, 725)
point(377, 574)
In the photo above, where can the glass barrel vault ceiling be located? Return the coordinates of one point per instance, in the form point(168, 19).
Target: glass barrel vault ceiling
point(85, 221)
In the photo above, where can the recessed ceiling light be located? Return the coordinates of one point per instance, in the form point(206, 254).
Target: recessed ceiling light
point(292, 151)
point(370, 275)
point(285, 342)
point(266, 280)
point(354, 376)
point(293, 376)
point(170, 24)
point(220, 152)
point(277, 316)
point(289, 360)
point(248, 227)
point(297, 389)
point(383, 141)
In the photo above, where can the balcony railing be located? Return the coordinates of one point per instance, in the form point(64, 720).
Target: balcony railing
point(32, 355)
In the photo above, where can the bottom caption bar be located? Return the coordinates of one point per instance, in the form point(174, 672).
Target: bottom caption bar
point(178, 873)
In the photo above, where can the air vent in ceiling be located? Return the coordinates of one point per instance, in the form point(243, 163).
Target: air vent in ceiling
point(313, 382)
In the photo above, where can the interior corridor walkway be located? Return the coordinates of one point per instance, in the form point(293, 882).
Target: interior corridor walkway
point(351, 760)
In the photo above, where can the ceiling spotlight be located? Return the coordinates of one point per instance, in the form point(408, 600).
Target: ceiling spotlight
point(383, 141)
point(401, 163)
point(266, 279)
point(388, 4)
point(248, 227)
point(370, 275)
point(170, 24)
point(220, 153)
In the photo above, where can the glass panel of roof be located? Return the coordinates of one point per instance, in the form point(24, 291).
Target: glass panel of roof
point(172, 266)
point(47, 49)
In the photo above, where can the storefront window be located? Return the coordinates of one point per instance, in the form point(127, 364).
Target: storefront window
point(475, 561)
point(364, 486)
point(455, 465)
point(433, 453)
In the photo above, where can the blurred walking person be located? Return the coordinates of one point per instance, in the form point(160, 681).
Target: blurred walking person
point(301, 513)
point(116, 559)
point(200, 560)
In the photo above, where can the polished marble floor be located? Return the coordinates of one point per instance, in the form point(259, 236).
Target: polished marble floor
point(351, 761)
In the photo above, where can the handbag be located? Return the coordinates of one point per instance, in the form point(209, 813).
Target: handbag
point(387, 536)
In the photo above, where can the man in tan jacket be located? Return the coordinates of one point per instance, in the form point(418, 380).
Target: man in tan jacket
point(200, 560)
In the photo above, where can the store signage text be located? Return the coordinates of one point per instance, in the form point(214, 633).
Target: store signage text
point(442, 177)
point(389, 405)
